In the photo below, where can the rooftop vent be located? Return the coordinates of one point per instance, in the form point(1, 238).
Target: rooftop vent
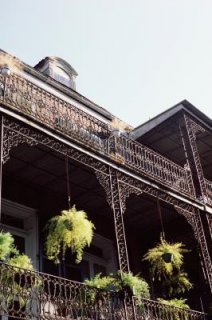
point(58, 69)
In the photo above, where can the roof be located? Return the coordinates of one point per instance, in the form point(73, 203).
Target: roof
point(157, 120)
point(57, 85)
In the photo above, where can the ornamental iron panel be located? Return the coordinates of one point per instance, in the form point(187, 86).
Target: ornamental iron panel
point(146, 309)
point(209, 218)
point(190, 131)
point(49, 110)
point(208, 186)
point(26, 294)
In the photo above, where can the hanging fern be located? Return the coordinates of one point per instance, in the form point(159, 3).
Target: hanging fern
point(69, 230)
point(7, 246)
point(177, 284)
point(159, 267)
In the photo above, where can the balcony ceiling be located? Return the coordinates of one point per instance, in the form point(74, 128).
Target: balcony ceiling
point(43, 171)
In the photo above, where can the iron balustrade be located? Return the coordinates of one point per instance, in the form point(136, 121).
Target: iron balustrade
point(26, 294)
point(29, 99)
point(146, 309)
point(143, 159)
point(208, 185)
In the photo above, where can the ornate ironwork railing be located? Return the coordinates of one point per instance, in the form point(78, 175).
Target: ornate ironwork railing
point(153, 164)
point(208, 185)
point(152, 310)
point(27, 294)
point(42, 106)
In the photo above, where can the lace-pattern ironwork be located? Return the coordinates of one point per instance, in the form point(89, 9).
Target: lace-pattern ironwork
point(51, 111)
point(209, 218)
point(200, 235)
point(15, 133)
point(26, 294)
point(208, 185)
point(153, 310)
point(192, 130)
point(157, 193)
point(118, 221)
point(42, 106)
point(151, 164)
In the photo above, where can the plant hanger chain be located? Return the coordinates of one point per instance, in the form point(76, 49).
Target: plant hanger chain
point(68, 184)
point(161, 220)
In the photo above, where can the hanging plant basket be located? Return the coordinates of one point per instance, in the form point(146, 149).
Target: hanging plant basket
point(69, 230)
point(167, 257)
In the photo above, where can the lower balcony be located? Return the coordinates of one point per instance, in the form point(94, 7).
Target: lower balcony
point(27, 294)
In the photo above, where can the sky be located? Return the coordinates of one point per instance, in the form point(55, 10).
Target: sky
point(136, 58)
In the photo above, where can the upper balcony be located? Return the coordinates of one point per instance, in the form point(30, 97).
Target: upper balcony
point(29, 99)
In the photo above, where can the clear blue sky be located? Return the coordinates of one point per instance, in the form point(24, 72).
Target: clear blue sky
point(135, 58)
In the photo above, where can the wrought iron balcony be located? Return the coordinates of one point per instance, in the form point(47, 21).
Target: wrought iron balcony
point(27, 294)
point(29, 99)
point(208, 185)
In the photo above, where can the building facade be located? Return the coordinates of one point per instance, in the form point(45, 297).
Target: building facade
point(58, 147)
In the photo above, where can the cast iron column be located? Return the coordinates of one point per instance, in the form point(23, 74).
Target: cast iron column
point(205, 249)
point(188, 130)
point(118, 221)
point(1, 161)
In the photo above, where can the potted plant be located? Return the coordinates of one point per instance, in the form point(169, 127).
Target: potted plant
point(16, 283)
point(133, 284)
point(123, 284)
point(180, 309)
point(69, 230)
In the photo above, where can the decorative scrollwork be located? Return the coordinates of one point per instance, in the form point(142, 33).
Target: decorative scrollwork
point(26, 294)
point(192, 129)
point(199, 232)
point(190, 219)
point(125, 191)
point(196, 128)
point(15, 134)
point(46, 108)
point(157, 193)
point(209, 218)
point(119, 221)
point(104, 181)
point(12, 139)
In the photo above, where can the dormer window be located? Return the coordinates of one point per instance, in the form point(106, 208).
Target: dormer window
point(59, 70)
point(61, 76)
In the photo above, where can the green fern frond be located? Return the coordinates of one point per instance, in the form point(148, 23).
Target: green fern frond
point(179, 303)
point(178, 283)
point(7, 246)
point(69, 230)
point(159, 267)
